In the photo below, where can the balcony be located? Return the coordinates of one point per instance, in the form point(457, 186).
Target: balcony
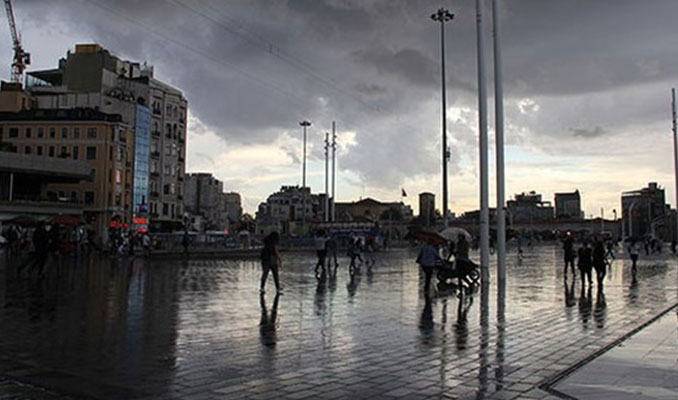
point(155, 174)
point(157, 111)
point(154, 195)
point(155, 133)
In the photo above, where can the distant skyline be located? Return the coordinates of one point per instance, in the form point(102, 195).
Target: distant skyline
point(587, 90)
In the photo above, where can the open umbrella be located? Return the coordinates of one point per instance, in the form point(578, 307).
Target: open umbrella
point(66, 220)
point(431, 237)
point(23, 220)
point(452, 234)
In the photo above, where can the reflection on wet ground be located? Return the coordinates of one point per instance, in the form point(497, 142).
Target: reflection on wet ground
point(124, 329)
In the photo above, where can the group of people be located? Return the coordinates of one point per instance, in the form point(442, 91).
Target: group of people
point(326, 248)
point(589, 257)
point(429, 258)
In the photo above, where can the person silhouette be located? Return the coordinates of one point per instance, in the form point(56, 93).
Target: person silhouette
point(569, 255)
point(270, 261)
point(584, 263)
point(598, 260)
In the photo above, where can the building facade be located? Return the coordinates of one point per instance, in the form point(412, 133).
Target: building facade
point(92, 77)
point(427, 207)
point(204, 196)
point(101, 140)
point(233, 208)
point(287, 208)
point(529, 208)
point(369, 209)
point(644, 210)
point(568, 205)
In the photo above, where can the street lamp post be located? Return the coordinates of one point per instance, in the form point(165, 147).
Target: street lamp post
point(304, 125)
point(483, 145)
point(442, 16)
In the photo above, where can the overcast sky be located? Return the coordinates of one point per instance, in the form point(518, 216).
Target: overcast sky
point(587, 89)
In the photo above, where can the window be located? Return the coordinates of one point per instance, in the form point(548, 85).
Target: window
point(76, 152)
point(13, 132)
point(41, 132)
point(52, 133)
point(29, 133)
point(165, 189)
point(118, 176)
point(91, 153)
point(64, 152)
point(172, 188)
point(89, 197)
point(64, 133)
point(38, 150)
point(51, 151)
point(166, 169)
point(164, 208)
point(76, 133)
point(28, 150)
point(91, 133)
point(110, 153)
point(74, 197)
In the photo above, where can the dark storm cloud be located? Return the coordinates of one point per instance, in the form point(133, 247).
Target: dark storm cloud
point(588, 133)
point(408, 64)
point(252, 69)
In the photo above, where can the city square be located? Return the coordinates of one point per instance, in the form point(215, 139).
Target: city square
point(338, 199)
point(198, 329)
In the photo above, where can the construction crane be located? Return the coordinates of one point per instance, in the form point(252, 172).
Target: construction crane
point(21, 58)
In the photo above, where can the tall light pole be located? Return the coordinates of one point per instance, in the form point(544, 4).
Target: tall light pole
point(482, 128)
point(304, 125)
point(327, 172)
point(442, 16)
point(499, 144)
point(675, 152)
point(334, 171)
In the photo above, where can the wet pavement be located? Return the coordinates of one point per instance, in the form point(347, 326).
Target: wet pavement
point(134, 329)
point(643, 367)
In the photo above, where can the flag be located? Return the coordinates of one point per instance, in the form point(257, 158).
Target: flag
point(404, 193)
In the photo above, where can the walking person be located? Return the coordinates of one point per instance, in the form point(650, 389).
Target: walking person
point(598, 260)
point(462, 260)
point(270, 261)
point(146, 243)
point(332, 252)
point(427, 259)
point(321, 252)
point(633, 253)
point(40, 251)
point(568, 250)
point(585, 263)
point(610, 250)
point(185, 241)
point(354, 253)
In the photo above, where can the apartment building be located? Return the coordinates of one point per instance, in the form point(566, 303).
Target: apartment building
point(102, 140)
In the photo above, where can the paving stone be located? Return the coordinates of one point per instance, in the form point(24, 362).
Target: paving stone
point(147, 329)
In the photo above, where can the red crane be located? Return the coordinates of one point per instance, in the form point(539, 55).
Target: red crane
point(21, 58)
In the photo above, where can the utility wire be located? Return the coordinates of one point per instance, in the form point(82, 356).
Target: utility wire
point(270, 48)
point(204, 54)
